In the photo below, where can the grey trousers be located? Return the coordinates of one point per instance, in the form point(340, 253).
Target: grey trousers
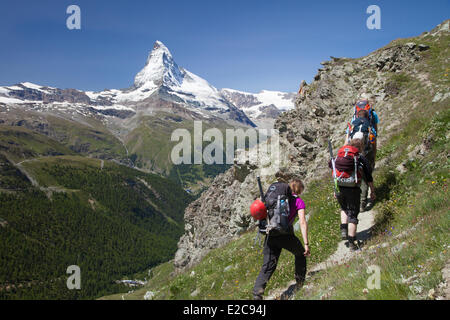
point(272, 251)
point(364, 191)
point(364, 186)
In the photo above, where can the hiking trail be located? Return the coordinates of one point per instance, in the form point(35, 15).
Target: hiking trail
point(340, 256)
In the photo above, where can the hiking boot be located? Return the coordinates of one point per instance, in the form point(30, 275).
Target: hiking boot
point(293, 289)
point(298, 285)
point(258, 294)
point(369, 205)
point(353, 245)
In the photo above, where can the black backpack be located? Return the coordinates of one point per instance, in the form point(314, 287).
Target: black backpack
point(362, 125)
point(277, 200)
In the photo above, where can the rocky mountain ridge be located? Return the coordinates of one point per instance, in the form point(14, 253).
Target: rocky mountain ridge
point(161, 79)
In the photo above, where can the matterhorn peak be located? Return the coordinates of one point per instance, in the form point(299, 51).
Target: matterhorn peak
point(159, 50)
point(160, 69)
point(158, 44)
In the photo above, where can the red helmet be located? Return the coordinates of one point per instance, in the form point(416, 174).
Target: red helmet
point(258, 210)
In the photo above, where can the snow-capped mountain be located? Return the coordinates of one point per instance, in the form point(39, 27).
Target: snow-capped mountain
point(161, 77)
point(162, 71)
point(160, 82)
point(159, 69)
point(262, 108)
point(135, 124)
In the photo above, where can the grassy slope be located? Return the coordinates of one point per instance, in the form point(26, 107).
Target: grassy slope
point(21, 143)
point(148, 145)
point(420, 194)
point(94, 140)
point(230, 272)
point(150, 148)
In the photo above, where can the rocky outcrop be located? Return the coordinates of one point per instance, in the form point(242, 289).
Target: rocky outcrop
point(322, 111)
point(122, 114)
point(241, 99)
point(269, 111)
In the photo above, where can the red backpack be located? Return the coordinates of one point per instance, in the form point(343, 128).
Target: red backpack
point(346, 169)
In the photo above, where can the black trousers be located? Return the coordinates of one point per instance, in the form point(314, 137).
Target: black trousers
point(349, 200)
point(272, 251)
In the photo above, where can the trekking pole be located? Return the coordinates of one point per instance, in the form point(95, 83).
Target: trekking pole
point(261, 193)
point(257, 238)
point(330, 148)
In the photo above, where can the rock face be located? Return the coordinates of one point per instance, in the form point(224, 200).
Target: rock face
point(322, 110)
point(50, 95)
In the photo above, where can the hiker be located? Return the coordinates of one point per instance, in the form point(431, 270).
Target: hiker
point(274, 243)
point(365, 202)
point(365, 128)
point(372, 133)
point(349, 167)
point(362, 125)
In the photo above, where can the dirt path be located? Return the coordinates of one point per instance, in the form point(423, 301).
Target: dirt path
point(26, 173)
point(340, 256)
point(21, 168)
point(446, 282)
point(342, 253)
point(48, 190)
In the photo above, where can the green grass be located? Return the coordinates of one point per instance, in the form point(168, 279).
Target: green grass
point(150, 148)
point(21, 144)
point(159, 275)
point(422, 253)
point(37, 167)
point(93, 139)
point(401, 79)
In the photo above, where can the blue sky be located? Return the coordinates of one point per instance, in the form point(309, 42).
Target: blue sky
point(246, 45)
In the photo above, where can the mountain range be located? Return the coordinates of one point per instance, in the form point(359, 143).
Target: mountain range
point(133, 125)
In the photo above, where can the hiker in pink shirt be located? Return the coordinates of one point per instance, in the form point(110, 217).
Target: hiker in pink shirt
point(274, 244)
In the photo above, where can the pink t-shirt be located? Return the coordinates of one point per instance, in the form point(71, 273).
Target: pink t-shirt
point(294, 206)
